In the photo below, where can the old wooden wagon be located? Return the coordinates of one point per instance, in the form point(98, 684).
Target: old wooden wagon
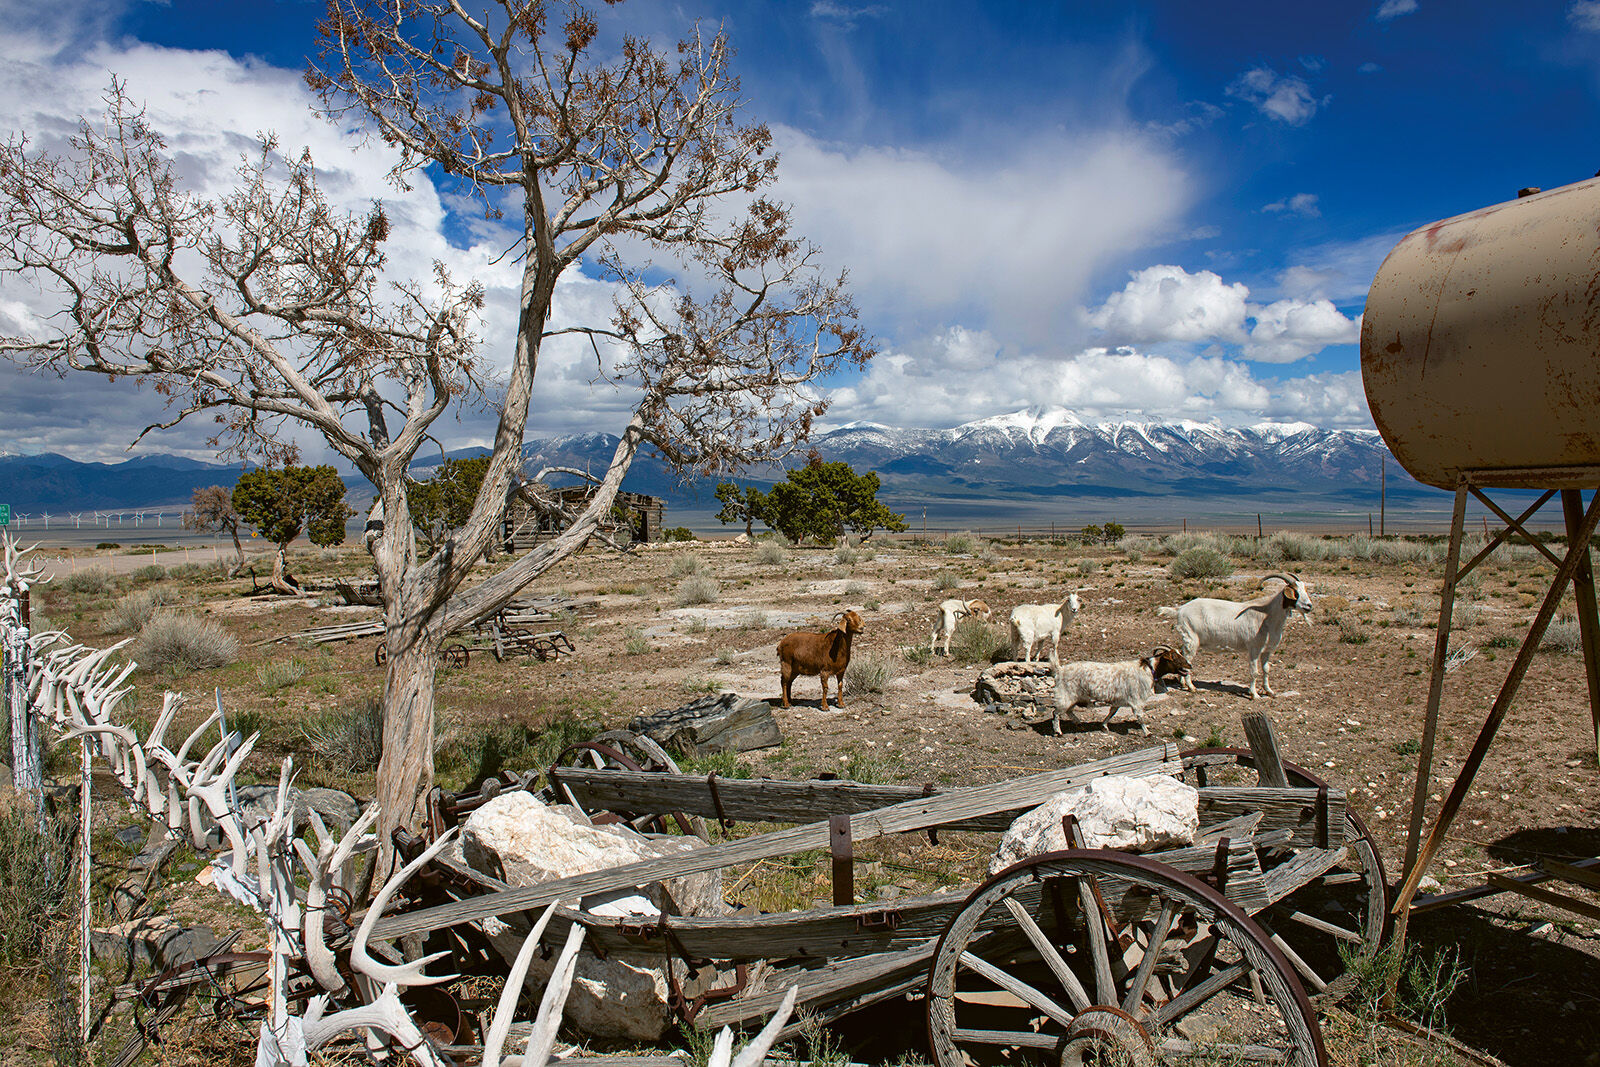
point(1078, 956)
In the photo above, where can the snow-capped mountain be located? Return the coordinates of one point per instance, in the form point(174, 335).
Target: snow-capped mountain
point(1043, 454)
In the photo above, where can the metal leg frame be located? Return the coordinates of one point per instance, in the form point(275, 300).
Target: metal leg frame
point(1574, 569)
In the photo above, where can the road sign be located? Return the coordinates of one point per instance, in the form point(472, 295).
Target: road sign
point(5, 514)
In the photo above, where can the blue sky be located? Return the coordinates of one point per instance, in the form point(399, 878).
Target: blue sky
point(1148, 210)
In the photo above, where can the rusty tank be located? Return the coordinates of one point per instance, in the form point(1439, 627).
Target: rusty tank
point(1480, 345)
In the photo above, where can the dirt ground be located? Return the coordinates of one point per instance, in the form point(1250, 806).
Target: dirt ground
point(1351, 688)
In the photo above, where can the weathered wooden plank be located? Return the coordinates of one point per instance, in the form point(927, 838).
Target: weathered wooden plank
point(1281, 809)
point(1263, 741)
point(1306, 865)
point(1545, 896)
point(819, 985)
point(918, 814)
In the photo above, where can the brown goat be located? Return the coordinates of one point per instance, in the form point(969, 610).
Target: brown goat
point(823, 654)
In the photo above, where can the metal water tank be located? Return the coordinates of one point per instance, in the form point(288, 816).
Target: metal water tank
point(1480, 345)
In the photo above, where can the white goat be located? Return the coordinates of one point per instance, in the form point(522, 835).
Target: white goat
point(1033, 624)
point(952, 612)
point(1254, 627)
point(1125, 684)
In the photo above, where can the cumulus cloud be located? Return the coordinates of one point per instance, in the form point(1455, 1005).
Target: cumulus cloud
point(1168, 304)
point(1286, 98)
point(1393, 9)
point(1298, 204)
point(960, 375)
point(1369, 67)
point(1584, 15)
point(1012, 242)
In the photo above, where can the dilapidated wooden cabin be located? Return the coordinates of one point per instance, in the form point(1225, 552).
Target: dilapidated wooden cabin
point(634, 516)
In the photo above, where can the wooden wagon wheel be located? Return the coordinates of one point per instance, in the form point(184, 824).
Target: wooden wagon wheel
point(449, 656)
point(628, 751)
point(1098, 957)
point(1342, 910)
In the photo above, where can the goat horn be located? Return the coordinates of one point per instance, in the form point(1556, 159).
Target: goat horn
point(1286, 579)
point(1160, 649)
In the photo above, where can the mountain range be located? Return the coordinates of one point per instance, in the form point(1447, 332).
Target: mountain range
point(1025, 464)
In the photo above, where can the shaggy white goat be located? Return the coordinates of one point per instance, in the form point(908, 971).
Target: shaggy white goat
point(1033, 624)
point(1254, 627)
point(952, 612)
point(1125, 684)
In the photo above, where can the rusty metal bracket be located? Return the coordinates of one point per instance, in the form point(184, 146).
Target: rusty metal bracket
point(1322, 816)
point(716, 801)
point(687, 1009)
point(883, 919)
point(1219, 866)
point(844, 874)
point(933, 831)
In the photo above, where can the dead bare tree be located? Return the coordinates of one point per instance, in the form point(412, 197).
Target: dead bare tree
point(267, 305)
point(211, 511)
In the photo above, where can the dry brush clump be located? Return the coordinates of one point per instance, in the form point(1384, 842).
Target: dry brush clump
point(1200, 561)
point(869, 673)
point(177, 643)
point(976, 641)
point(696, 589)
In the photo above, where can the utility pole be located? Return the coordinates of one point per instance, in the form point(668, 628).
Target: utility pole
point(1383, 490)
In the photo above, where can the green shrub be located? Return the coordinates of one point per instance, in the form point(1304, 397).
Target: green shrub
point(93, 581)
point(677, 533)
point(35, 890)
point(959, 543)
point(347, 740)
point(280, 674)
point(1464, 613)
point(696, 589)
point(868, 673)
point(975, 641)
point(1562, 635)
point(108, 544)
point(846, 556)
point(179, 643)
point(150, 572)
point(1352, 633)
point(944, 581)
point(1087, 567)
point(771, 554)
point(1200, 562)
point(129, 614)
point(636, 644)
point(1504, 641)
point(685, 563)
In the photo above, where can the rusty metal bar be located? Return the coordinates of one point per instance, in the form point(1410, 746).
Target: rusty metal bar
point(1588, 622)
point(1511, 524)
point(1577, 553)
point(1441, 649)
point(844, 873)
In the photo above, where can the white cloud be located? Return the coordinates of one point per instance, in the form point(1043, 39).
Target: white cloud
point(1009, 242)
point(960, 375)
point(1393, 9)
point(1288, 330)
point(845, 14)
point(1286, 98)
point(1584, 15)
point(1298, 204)
point(1369, 67)
point(1168, 304)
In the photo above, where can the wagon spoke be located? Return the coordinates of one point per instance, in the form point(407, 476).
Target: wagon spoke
point(1152, 953)
point(1058, 966)
point(1018, 988)
point(1105, 989)
point(1199, 993)
point(1318, 924)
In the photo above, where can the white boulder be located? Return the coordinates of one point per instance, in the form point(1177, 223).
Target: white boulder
point(1131, 814)
point(522, 841)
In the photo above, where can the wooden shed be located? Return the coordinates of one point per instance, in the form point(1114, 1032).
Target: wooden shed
point(641, 517)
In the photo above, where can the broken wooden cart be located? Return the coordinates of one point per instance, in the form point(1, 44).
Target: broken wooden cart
point(1072, 957)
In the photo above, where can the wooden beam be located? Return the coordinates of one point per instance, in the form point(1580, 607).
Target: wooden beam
point(918, 814)
point(1547, 896)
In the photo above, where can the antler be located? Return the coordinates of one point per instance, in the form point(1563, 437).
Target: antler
point(408, 974)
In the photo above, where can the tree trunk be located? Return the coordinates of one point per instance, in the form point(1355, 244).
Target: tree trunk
point(282, 580)
point(238, 555)
point(405, 769)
